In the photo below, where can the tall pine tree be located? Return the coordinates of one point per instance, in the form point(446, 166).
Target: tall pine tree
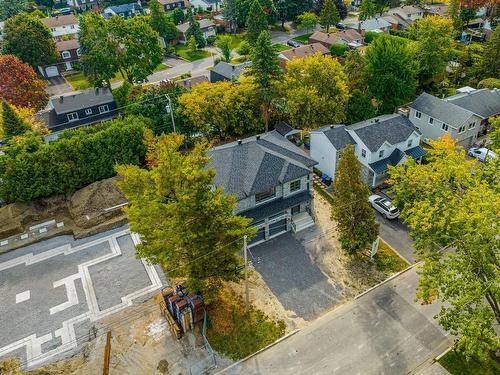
point(256, 22)
point(329, 15)
point(12, 124)
point(351, 210)
point(194, 30)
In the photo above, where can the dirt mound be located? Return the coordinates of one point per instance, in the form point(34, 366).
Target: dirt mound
point(81, 212)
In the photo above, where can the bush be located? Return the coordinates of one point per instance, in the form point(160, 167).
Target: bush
point(244, 48)
point(400, 33)
point(490, 83)
point(211, 39)
point(75, 160)
point(339, 49)
point(370, 36)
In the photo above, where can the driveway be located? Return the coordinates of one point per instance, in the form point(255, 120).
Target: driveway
point(295, 280)
point(58, 86)
point(383, 332)
point(53, 293)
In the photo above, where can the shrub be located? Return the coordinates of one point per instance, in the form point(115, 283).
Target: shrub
point(370, 36)
point(490, 83)
point(75, 160)
point(211, 39)
point(339, 49)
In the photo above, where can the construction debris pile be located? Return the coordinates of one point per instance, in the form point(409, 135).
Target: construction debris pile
point(181, 309)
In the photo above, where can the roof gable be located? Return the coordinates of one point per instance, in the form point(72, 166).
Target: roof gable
point(484, 103)
point(442, 110)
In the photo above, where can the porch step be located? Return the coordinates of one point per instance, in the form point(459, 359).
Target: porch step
point(302, 221)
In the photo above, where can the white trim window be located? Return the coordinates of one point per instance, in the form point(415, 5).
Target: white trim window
point(418, 114)
point(295, 185)
point(381, 153)
point(363, 153)
point(431, 120)
point(461, 129)
point(472, 125)
point(103, 108)
point(410, 142)
point(72, 116)
point(445, 127)
point(265, 195)
point(88, 111)
point(65, 54)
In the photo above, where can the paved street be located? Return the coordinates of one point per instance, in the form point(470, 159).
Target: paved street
point(57, 86)
point(54, 292)
point(396, 234)
point(383, 332)
point(293, 277)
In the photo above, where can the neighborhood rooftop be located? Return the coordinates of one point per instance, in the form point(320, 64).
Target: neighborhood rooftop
point(230, 71)
point(60, 21)
point(204, 23)
point(66, 45)
point(85, 99)
point(484, 102)
point(257, 164)
point(337, 135)
point(304, 51)
point(443, 110)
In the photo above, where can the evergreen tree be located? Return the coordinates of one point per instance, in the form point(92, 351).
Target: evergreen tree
point(161, 22)
point(10, 8)
point(230, 14)
point(341, 8)
point(12, 124)
point(188, 228)
point(265, 71)
point(359, 107)
point(367, 9)
point(351, 210)
point(194, 30)
point(256, 22)
point(178, 16)
point(489, 64)
point(329, 15)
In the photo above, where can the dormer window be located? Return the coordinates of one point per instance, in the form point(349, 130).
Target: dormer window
point(363, 153)
point(410, 141)
point(444, 127)
point(381, 154)
point(472, 125)
point(66, 54)
point(72, 116)
point(294, 185)
point(265, 195)
point(461, 129)
point(418, 114)
point(431, 120)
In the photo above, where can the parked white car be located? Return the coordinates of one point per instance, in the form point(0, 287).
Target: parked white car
point(384, 206)
point(482, 154)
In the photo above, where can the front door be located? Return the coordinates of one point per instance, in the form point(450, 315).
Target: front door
point(68, 66)
point(296, 209)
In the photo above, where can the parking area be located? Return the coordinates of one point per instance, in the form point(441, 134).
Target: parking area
point(58, 86)
point(53, 293)
point(293, 277)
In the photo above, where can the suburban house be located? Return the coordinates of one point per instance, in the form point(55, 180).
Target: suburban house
point(206, 4)
point(349, 37)
point(207, 27)
point(407, 13)
point(62, 26)
point(377, 24)
point(189, 83)
point(272, 181)
point(484, 103)
point(73, 111)
point(69, 53)
point(124, 10)
point(224, 71)
point(378, 142)
point(435, 117)
point(437, 9)
point(301, 52)
point(169, 5)
point(83, 5)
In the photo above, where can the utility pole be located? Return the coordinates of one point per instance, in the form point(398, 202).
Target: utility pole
point(170, 109)
point(245, 251)
point(107, 354)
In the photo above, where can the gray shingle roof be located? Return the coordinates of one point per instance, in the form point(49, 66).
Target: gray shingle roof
point(484, 103)
point(393, 159)
point(257, 165)
point(204, 23)
point(442, 110)
point(85, 99)
point(393, 129)
point(337, 135)
point(230, 71)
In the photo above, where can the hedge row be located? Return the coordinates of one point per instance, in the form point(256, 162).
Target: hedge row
point(75, 160)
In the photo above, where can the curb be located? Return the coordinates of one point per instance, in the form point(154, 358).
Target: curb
point(258, 351)
point(396, 252)
point(387, 280)
point(443, 354)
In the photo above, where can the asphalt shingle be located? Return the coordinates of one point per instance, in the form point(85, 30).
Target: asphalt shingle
point(485, 102)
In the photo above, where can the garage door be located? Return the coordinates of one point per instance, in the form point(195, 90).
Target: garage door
point(259, 236)
point(51, 71)
point(277, 227)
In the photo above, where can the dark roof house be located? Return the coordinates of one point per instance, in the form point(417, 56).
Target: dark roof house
point(224, 71)
point(484, 102)
point(123, 10)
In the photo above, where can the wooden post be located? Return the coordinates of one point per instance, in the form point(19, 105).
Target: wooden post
point(107, 354)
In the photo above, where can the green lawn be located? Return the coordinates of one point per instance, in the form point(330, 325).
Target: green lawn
point(456, 364)
point(182, 51)
point(78, 81)
point(161, 67)
point(387, 260)
point(238, 60)
point(303, 38)
point(281, 47)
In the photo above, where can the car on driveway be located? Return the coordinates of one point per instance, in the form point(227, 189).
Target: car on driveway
point(384, 206)
point(293, 43)
point(482, 154)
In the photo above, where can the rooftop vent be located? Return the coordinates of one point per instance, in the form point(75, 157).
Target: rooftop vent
point(239, 141)
point(61, 98)
point(376, 120)
point(258, 137)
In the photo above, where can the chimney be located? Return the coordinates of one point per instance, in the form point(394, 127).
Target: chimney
point(239, 141)
point(258, 137)
point(331, 126)
point(97, 90)
point(234, 67)
point(61, 98)
point(376, 120)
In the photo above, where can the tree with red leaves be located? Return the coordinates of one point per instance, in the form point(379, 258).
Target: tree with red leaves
point(20, 85)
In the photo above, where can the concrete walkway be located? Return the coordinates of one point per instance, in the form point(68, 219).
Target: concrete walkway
point(383, 332)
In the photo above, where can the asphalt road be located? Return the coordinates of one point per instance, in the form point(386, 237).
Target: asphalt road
point(53, 293)
point(383, 332)
point(396, 234)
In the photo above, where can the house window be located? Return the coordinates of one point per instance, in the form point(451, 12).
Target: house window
point(363, 153)
point(418, 114)
point(72, 26)
point(53, 29)
point(381, 153)
point(444, 127)
point(72, 116)
point(461, 129)
point(294, 186)
point(66, 55)
point(431, 120)
point(88, 111)
point(265, 195)
point(103, 108)
point(410, 141)
point(78, 51)
point(472, 125)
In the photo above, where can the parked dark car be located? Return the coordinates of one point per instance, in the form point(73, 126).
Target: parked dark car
point(340, 26)
point(293, 43)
